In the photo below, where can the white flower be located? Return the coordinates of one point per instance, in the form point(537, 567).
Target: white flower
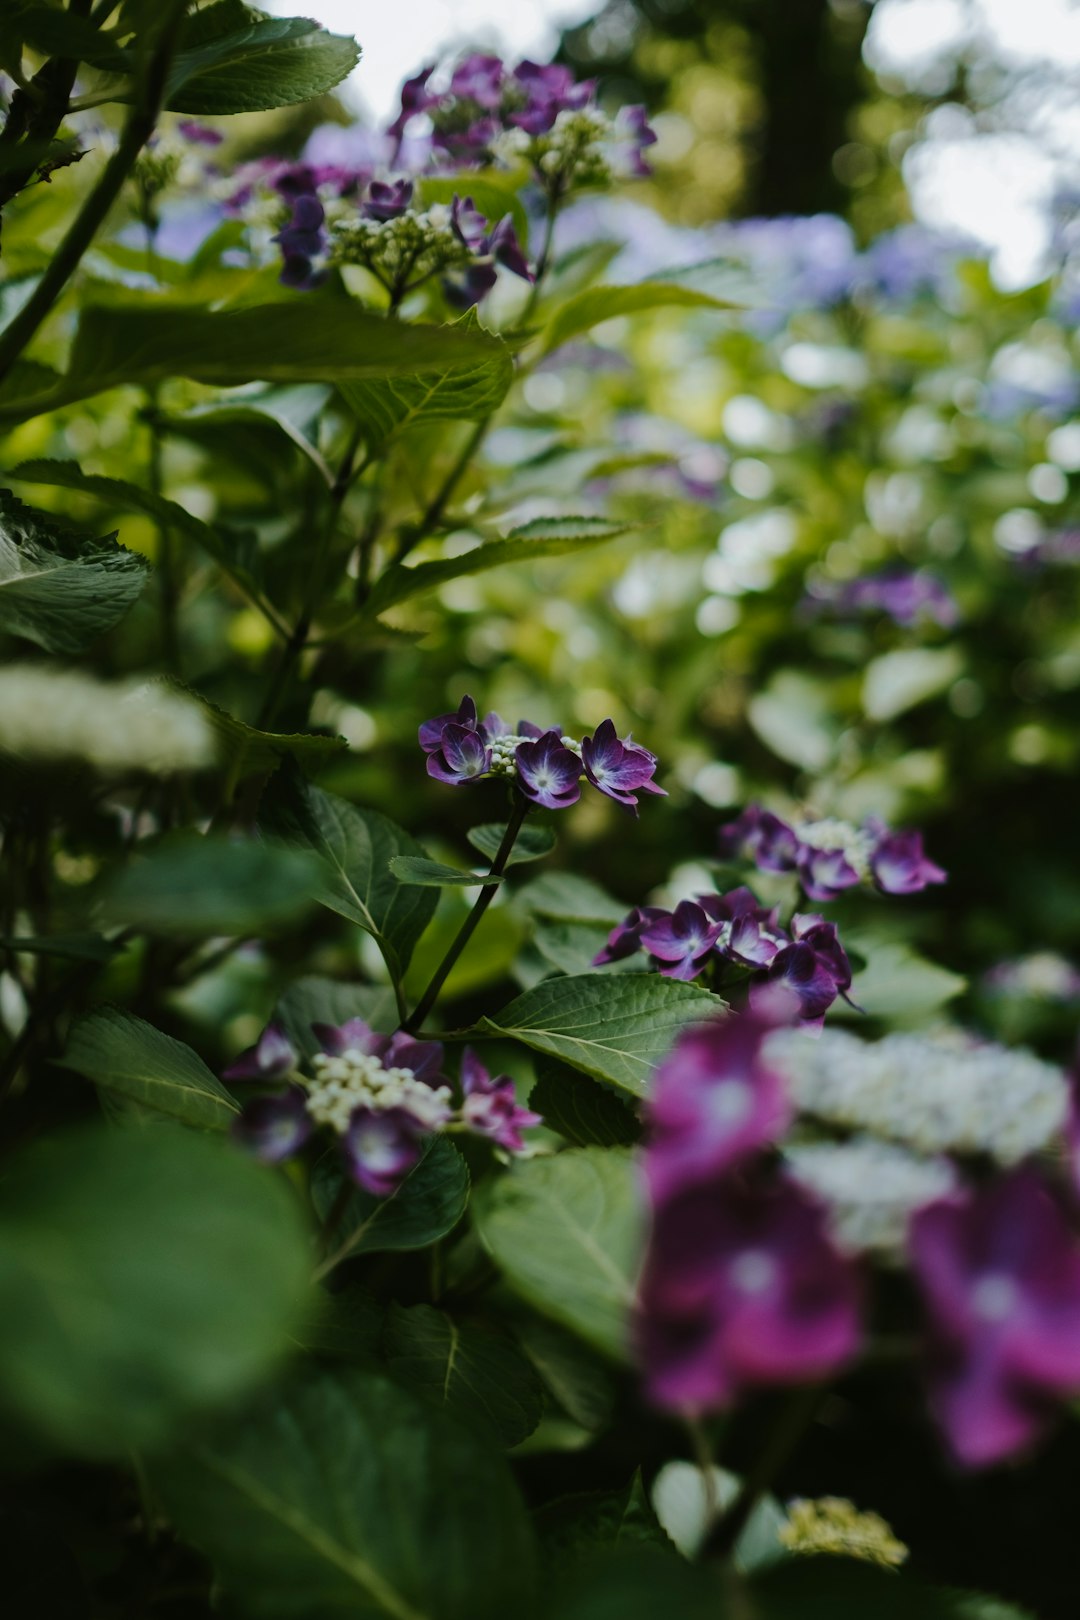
point(934, 1093)
point(354, 1079)
point(872, 1188)
point(856, 845)
point(54, 714)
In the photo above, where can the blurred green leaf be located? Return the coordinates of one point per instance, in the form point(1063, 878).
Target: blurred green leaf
point(60, 589)
point(532, 842)
point(795, 717)
point(346, 1495)
point(249, 752)
point(582, 1110)
point(190, 885)
point(596, 304)
point(124, 1054)
point(433, 874)
point(897, 983)
point(428, 1204)
point(569, 898)
point(310, 1000)
point(144, 1276)
point(830, 1588)
point(468, 1365)
point(574, 1376)
point(575, 1527)
point(641, 1582)
point(567, 1233)
point(897, 681)
point(616, 1027)
point(384, 406)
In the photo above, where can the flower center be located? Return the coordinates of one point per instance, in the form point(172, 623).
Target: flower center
point(753, 1272)
point(731, 1102)
point(994, 1297)
point(355, 1079)
point(831, 833)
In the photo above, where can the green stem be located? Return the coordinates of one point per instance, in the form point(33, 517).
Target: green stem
point(37, 110)
point(794, 1420)
point(137, 130)
point(469, 926)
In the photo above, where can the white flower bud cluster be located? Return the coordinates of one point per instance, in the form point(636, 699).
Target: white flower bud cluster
point(934, 1093)
point(57, 714)
point(504, 754)
point(872, 1188)
point(409, 248)
point(578, 148)
point(572, 743)
point(1043, 975)
point(855, 845)
point(355, 1079)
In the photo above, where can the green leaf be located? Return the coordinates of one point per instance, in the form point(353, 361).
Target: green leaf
point(587, 309)
point(122, 1054)
point(616, 1027)
point(384, 406)
point(399, 582)
point(573, 947)
point(313, 338)
point(898, 681)
point(356, 847)
point(344, 1326)
point(492, 193)
point(582, 1110)
point(312, 1000)
point(830, 1588)
point(249, 752)
point(64, 33)
point(532, 843)
point(344, 1495)
point(84, 947)
point(428, 1204)
point(576, 1379)
point(573, 899)
point(433, 874)
point(59, 589)
point(567, 1232)
point(575, 1527)
point(144, 1276)
point(262, 63)
point(191, 886)
point(467, 1365)
point(639, 1582)
point(898, 984)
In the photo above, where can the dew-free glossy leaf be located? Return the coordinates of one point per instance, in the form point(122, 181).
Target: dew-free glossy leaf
point(386, 405)
point(433, 874)
point(428, 1204)
point(129, 1057)
point(587, 309)
point(531, 844)
point(581, 1109)
point(191, 885)
point(344, 1495)
point(567, 1233)
point(616, 1027)
point(310, 1000)
point(470, 1366)
point(249, 62)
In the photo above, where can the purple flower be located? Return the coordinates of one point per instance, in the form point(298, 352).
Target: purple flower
point(506, 250)
point(633, 124)
point(387, 200)
point(381, 1146)
point(302, 241)
point(466, 290)
point(682, 940)
point(814, 967)
point(270, 1057)
point(199, 134)
point(479, 78)
point(625, 937)
point(761, 837)
point(467, 223)
point(999, 1271)
point(274, 1128)
point(398, 1051)
point(548, 772)
point(549, 90)
point(742, 1287)
point(905, 595)
point(431, 733)
point(490, 1107)
point(414, 99)
point(715, 1103)
point(621, 769)
point(463, 757)
point(899, 865)
point(749, 932)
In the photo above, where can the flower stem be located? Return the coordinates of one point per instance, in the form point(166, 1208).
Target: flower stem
point(469, 926)
point(794, 1420)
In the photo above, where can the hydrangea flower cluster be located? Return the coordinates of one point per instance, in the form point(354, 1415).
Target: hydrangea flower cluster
point(905, 595)
point(743, 1284)
point(546, 766)
point(830, 855)
point(807, 959)
point(751, 1276)
point(1039, 976)
point(535, 113)
point(379, 1096)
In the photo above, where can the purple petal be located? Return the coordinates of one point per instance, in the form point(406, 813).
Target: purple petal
point(274, 1128)
point(381, 1147)
point(270, 1057)
point(548, 773)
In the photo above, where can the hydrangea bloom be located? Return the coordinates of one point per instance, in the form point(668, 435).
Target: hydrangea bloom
point(905, 595)
point(379, 1096)
point(546, 766)
point(999, 1272)
point(871, 1188)
point(830, 855)
point(934, 1094)
point(808, 961)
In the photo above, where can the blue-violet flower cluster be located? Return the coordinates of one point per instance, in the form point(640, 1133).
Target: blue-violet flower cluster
point(830, 855)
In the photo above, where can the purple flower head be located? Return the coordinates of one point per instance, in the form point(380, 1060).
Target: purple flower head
point(899, 865)
point(681, 941)
point(431, 733)
point(999, 1271)
point(715, 1103)
point(548, 772)
point(397, 1051)
point(274, 1128)
point(905, 595)
point(466, 291)
point(494, 726)
point(625, 938)
point(387, 200)
point(760, 836)
point(621, 769)
point(302, 241)
point(549, 90)
point(743, 1286)
point(467, 223)
point(825, 873)
point(353, 1036)
point(270, 1057)
point(749, 932)
point(381, 1146)
point(814, 968)
point(506, 250)
point(479, 79)
point(1072, 1127)
point(490, 1107)
point(463, 757)
point(199, 134)
point(632, 123)
point(414, 99)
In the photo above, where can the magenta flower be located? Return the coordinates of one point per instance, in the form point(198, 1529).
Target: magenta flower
point(549, 90)
point(681, 941)
point(814, 967)
point(271, 1057)
point(414, 99)
point(431, 733)
point(381, 1147)
point(387, 200)
point(275, 1128)
point(619, 768)
point(749, 932)
point(999, 1272)
point(716, 1102)
point(831, 856)
point(463, 757)
point(479, 78)
point(743, 1287)
point(548, 772)
point(899, 865)
point(491, 1108)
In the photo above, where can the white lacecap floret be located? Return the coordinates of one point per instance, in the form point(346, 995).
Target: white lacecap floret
point(872, 1188)
point(353, 1079)
point(934, 1093)
point(856, 845)
point(504, 755)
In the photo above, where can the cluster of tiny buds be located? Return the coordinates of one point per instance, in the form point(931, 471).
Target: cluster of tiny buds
point(829, 832)
point(353, 1079)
